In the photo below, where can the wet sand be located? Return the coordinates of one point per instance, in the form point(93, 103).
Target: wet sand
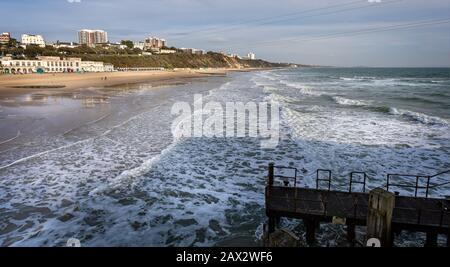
point(27, 101)
point(16, 85)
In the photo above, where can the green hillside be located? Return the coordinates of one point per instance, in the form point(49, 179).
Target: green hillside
point(134, 58)
point(179, 60)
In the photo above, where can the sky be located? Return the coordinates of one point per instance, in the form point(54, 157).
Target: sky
point(383, 33)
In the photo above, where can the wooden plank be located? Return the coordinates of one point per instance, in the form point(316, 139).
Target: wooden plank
point(305, 201)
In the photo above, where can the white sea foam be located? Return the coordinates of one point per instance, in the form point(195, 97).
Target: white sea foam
point(10, 139)
point(127, 178)
point(410, 82)
point(357, 78)
point(420, 117)
point(280, 98)
point(350, 102)
point(302, 88)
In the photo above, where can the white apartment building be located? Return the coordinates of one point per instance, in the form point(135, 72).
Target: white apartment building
point(117, 45)
point(92, 66)
point(154, 42)
point(92, 37)
point(40, 65)
point(251, 56)
point(51, 65)
point(5, 38)
point(233, 55)
point(140, 45)
point(192, 51)
point(166, 51)
point(65, 45)
point(30, 39)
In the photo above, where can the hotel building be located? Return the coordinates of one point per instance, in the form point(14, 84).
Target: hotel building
point(5, 38)
point(31, 39)
point(51, 65)
point(92, 37)
point(154, 42)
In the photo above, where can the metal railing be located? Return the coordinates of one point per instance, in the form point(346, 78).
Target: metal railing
point(357, 182)
point(417, 185)
point(285, 179)
point(390, 183)
point(319, 180)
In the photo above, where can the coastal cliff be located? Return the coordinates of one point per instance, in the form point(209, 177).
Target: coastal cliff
point(135, 58)
point(180, 60)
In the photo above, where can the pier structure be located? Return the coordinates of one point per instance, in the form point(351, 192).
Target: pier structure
point(384, 212)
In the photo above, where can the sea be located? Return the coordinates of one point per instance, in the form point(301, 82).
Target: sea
point(101, 164)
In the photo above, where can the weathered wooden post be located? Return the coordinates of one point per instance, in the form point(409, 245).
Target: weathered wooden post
point(431, 240)
point(310, 231)
point(281, 238)
point(270, 176)
point(272, 219)
point(351, 233)
point(379, 216)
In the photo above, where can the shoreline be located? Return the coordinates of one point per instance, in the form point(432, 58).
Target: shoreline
point(16, 85)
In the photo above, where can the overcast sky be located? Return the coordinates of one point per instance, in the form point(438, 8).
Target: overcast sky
point(323, 32)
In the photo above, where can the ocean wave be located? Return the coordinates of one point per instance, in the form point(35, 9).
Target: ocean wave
point(268, 75)
point(416, 116)
point(420, 117)
point(280, 98)
point(10, 139)
point(350, 102)
point(357, 78)
point(304, 90)
point(128, 178)
point(269, 89)
point(440, 81)
point(393, 81)
point(419, 99)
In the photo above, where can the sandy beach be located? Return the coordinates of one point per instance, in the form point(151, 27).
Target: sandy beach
point(14, 85)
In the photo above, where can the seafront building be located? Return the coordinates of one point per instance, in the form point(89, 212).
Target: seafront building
point(193, 51)
point(154, 42)
point(116, 45)
point(139, 44)
point(59, 44)
point(92, 37)
point(251, 56)
point(45, 64)
point(32, 39)
point(233, 55)
point(5, 38)
point(165, 51)
point(96, 66)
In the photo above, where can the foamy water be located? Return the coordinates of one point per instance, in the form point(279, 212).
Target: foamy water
point(122, 180)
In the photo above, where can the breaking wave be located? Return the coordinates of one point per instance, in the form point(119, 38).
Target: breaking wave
point(416, 116)
point(420, 117)
point(350, 102)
